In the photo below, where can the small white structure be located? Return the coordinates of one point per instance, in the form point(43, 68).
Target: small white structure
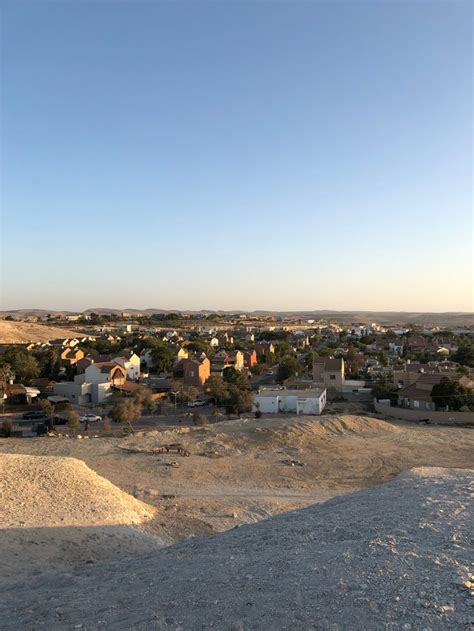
point(82, 393)
point(310, 401)
point(131, 362)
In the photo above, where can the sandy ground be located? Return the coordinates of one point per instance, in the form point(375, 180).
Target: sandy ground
point(395, 557)
point(55, 513)
point(236, 472)
point(22, 332)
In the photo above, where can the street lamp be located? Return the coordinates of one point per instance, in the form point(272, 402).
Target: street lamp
point(175, 394)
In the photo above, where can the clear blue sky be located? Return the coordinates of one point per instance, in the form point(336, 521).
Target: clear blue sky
point(237, 155)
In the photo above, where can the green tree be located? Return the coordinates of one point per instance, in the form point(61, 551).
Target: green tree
point(287, 368)
point(465, 355)
point(354, 361)
point(48, 409)
point(452, 394)
point(185, 394)
point(217, 388)
point(238, 400)
point(126, 411)
point(231, 375)
point(144, 397)
point(22, 363)
point(162, 358)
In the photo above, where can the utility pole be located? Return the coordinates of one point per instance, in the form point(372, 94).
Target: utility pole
point(175, 394)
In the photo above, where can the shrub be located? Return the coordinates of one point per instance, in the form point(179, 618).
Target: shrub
point(6, 429)
point(200, 419)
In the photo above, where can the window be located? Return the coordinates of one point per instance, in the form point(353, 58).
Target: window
point(332, 377)
point(416, 404)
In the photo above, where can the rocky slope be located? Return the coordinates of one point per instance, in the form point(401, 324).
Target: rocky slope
point(395, 556)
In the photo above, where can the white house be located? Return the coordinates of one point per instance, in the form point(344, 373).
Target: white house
point(310, 401)
point(103, 372)
point(82, 393)
point(131, 362)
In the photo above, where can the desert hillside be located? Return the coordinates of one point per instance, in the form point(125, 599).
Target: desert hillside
point(56, 512)
point(246, 470)
point(23, 332)
point(394, 556)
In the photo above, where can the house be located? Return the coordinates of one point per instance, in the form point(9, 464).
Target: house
point(410, 373)
point(84, 363)
point(70, 356)
point(417, 396)
point(196, 371)
point(330, 372)
point(77, 393)
point(18, 394)
point(250, 359)
point(104, 372)
point(131, 362)
point(265, 348)
point(227, 359)
point(44, 385)
point(311, 401)
point(180, 353)
point(82, 393)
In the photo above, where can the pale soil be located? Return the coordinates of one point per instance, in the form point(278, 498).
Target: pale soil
point(394, 557)
point(56, 512)
point(249, 482)
point(23, 332)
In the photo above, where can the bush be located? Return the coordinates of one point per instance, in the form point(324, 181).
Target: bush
point(200, 420)
point(258, 414)
point(6, 429)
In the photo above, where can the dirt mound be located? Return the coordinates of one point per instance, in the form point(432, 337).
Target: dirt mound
point(305, 433)
point(394, 556)
point(50, 491)
point(56, 512)
point(234, 437)
point(23, 332)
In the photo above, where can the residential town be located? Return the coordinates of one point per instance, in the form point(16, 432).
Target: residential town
point(233, 365)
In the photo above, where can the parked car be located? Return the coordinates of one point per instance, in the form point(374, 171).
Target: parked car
point(90, 418)
point(196, 404)
point(34, 416)
point(60, 419)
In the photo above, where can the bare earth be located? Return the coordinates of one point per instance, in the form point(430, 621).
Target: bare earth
point(395, 557)
point(23, 332)
point(234, 475)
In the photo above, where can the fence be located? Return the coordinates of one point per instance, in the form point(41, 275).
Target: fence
point(445, 418)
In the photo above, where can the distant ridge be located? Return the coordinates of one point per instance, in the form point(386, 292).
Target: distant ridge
point(389, 318)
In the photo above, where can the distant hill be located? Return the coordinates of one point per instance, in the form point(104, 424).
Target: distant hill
point(23, 332)
point(449, 319)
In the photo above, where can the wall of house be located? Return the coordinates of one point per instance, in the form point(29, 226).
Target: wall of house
point(76, 393)
point(268, 405)
point(100, 392)
point(308, 406)
point(290, 403)
point(94, 375)
point(419, 415)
